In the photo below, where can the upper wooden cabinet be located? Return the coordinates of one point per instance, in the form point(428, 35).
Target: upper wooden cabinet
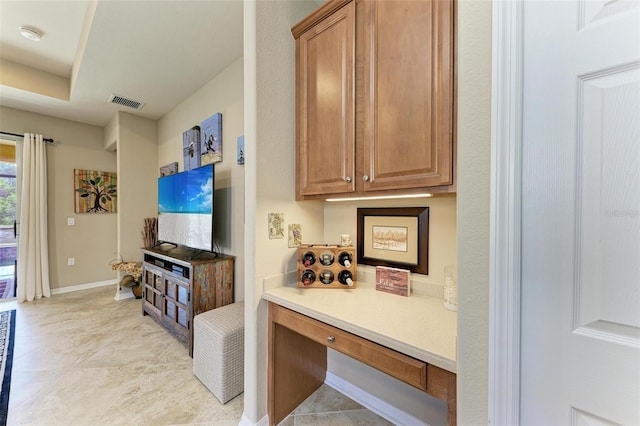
point(374, 98)
point(325, 82)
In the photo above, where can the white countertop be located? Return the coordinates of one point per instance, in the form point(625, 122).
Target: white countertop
point(418, 326)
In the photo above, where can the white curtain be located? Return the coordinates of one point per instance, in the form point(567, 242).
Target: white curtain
point(33, 252)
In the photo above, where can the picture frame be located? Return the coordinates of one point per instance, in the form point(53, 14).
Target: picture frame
point(295, 235)
point(276, 226)
point(169, 169)
point(396, 237)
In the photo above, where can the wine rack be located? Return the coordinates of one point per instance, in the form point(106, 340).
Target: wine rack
point(326, 266)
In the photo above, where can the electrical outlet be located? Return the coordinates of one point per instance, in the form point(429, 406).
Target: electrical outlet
point(71, 221)
point(71, 261)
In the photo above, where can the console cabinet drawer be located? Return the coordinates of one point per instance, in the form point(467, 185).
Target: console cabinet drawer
point(396, 364)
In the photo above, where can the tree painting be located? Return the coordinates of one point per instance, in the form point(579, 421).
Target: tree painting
point(95, 191)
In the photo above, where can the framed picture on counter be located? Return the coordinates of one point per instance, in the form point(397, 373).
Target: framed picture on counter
point(395, 237)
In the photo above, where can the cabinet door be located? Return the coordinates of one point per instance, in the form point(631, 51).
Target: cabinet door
point(408, 93)
point(325, 110)
point(177, 295)
point(153, 290)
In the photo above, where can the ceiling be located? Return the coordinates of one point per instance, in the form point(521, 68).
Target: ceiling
point(156, 52)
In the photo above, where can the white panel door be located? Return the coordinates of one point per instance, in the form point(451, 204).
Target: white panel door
point(580, 353)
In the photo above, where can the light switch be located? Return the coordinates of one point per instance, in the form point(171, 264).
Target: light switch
point(71, 221)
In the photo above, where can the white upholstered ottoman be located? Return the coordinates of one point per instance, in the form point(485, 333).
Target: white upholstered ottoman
point(218, 350)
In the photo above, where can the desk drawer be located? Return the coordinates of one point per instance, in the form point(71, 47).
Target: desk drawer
point(396, 364)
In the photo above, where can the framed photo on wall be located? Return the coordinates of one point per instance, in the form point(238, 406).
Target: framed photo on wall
point(395, 237)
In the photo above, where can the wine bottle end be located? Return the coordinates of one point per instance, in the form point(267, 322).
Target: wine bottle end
point(347, 263)
point(349, 282)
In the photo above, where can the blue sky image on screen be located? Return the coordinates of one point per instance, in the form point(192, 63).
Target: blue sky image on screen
point(190, 192)
point(185, 208)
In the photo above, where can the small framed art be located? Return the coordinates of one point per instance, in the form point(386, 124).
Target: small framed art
point(394, 237)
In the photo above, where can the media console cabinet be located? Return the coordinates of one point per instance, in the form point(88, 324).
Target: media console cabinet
point(413, 341)
point(177, 286)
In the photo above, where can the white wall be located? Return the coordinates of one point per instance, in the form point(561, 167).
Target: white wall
point(92, 241)
point(223, 94)
point(137, 173)
point(474, 143)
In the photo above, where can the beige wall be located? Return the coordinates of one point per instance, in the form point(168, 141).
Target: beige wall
point(223, 94)
point(474, 158)
point(270, 132)
point(137, 181)
point(321, 222)
point(92, 241)
point(111, 134)
point(341, 218)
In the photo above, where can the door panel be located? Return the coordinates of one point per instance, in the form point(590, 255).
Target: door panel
point(581, 213)
point(608, 178)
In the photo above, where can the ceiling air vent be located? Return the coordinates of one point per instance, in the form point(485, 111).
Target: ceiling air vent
point(120, 100)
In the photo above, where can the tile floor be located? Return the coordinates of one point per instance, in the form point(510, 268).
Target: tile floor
point(83, 358)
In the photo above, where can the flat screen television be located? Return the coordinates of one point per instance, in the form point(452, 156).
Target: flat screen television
point(185, 208)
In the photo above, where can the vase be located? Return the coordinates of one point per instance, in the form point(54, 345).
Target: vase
point(137, 291)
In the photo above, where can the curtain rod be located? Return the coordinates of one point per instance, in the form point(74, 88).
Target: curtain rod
point(21, 136)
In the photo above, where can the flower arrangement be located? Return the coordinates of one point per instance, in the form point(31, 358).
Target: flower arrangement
point(131, 268)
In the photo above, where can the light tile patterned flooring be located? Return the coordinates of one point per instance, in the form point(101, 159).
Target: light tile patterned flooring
point(83, 358)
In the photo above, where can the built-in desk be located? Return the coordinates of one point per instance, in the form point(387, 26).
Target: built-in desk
point(410, 338)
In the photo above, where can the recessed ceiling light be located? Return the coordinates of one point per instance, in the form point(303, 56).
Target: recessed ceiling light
point(31, 33)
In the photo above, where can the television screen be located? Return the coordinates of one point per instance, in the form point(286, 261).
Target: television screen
point(185, 208)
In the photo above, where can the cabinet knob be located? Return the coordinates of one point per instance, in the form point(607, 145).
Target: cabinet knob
point(365, 178)
point(331, 339)
point(347, 179)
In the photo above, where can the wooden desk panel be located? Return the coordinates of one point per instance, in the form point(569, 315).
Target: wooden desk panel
point(298, 362)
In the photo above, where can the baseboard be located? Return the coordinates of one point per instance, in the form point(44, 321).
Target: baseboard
point(123, 293)
point(371, 402)
point(244, 421)
point(84, 286)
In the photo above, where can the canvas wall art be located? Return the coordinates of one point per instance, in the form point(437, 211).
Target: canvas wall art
point(191, 148)
point(211, 140)
point(95, 192)
point(240, 151)
point(169, 169)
